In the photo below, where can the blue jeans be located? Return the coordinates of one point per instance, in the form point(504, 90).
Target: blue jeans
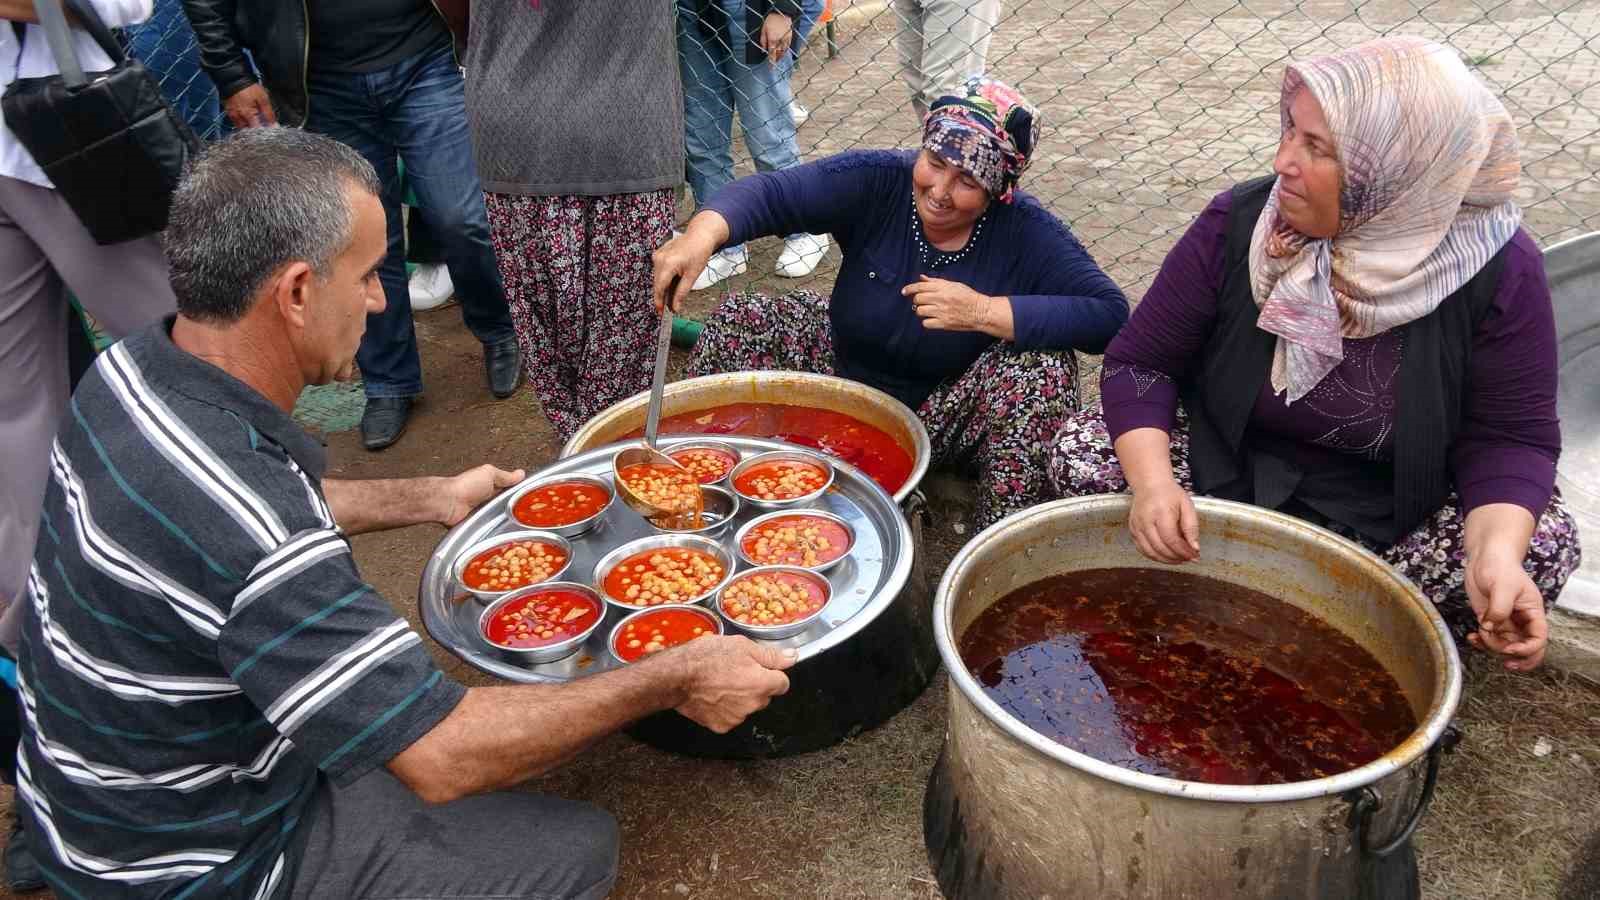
point(717, 81)
point(416, 111)
point(166, 45)
point(810, 12)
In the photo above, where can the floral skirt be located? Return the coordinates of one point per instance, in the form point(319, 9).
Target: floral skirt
point(994, 421)
point(1083, 462)
point(577, 274)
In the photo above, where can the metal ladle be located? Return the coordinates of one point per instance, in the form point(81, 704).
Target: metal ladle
point(647, 452)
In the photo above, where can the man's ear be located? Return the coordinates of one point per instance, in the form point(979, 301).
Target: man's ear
point(292, 288)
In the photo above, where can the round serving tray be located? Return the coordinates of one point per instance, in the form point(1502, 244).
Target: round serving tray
point(864, 585)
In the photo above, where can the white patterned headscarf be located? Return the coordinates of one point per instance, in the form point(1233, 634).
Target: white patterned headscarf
point(1429, 163)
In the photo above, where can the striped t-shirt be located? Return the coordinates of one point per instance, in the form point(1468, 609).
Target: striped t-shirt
point(199, 644)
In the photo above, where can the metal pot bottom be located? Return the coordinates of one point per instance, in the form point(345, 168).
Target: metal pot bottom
point(957, 855)
point(853, 687)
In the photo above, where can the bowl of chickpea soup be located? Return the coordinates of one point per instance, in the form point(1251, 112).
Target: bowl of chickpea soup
point(498, 565)
point(781, 479)
point(662, 570)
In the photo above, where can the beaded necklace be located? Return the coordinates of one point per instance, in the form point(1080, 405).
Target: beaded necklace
point(933, 257)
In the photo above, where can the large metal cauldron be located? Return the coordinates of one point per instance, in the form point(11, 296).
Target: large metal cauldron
point(1012, 814)
point(868, 404)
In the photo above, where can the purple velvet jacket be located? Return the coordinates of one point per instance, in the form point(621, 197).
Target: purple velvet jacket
point(1510, 436)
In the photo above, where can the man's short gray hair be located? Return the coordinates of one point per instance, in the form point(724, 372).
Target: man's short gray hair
point(253, 203)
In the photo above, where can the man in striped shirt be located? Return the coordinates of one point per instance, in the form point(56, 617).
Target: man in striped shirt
point(214, 703)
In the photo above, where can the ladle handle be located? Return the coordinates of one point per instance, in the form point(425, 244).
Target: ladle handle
point(652, 419)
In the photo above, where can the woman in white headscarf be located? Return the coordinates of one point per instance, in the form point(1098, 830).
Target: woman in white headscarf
point(1364, 340)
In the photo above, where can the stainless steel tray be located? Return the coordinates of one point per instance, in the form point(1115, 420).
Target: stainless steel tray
point(864, 584)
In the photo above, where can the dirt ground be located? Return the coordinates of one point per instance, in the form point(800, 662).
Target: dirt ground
point(1507, 823)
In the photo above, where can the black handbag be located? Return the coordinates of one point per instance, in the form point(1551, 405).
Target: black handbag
point(108, 141)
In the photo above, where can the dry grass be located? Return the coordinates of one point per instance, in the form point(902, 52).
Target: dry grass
point(1508, 823)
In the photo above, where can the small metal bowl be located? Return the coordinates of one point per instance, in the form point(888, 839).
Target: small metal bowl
point(546, 537)
point(721, 506)
point(815, 459)
point(758, 521)
point(660, 542)
point(714, 624)
point(697, 444)
point(571, 529)
point(549, 652)
point(774, 632)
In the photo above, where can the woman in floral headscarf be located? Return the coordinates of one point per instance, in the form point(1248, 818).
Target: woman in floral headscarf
point(1365, 341)
point(958, 294)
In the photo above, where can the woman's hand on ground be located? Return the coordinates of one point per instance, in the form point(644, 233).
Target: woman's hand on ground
point(1164, 523)
point(952, 306)
point(777, 33)
point(727, 678)
point(1510, 610)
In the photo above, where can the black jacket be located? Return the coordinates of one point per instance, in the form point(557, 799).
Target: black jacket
point(1380, 501)
point(276, 34)
point(713, 22)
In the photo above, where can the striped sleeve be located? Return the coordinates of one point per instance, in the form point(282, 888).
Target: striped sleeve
point(327, 661)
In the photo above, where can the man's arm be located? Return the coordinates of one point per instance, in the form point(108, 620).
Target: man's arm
point(378, 504)
point(222, 56)
point(497, 737)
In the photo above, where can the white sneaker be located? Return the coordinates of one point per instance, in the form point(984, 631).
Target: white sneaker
point(801, 254)
point(430, 287)
point(798, 113)
point(724, 264)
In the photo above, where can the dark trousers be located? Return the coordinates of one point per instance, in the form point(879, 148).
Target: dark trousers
point(415, 111)
point(375, 838)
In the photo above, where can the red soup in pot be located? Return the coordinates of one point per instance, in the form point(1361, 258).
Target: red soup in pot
point(562, 503)
point(660, 629)
point(543, 618)
point(1186, 677)
point(864, 446)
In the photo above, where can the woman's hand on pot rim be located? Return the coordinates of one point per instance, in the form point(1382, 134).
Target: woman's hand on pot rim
point(1164, 524)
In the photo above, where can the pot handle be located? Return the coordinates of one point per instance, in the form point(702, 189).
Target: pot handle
point(1366, 801)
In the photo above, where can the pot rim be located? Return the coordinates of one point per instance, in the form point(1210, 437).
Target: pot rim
point(1428, 730)
point(740, 384)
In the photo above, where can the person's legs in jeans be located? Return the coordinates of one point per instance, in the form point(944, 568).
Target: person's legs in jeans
point(761, 94)
point(375, 838)
point(703, 65)
point(426, 121)
point(345, 108)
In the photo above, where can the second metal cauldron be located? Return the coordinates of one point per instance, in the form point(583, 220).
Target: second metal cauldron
point(1011, 814)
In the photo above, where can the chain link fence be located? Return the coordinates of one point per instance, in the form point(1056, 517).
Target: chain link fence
point(1150, 107)
point(166, 45)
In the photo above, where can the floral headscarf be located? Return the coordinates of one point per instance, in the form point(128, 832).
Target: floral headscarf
point(1429, 163)
point(987, 129)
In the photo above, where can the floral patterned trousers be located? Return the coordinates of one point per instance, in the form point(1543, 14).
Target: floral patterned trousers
point(577, 274)
point(1083, 462)
point(995, 420)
